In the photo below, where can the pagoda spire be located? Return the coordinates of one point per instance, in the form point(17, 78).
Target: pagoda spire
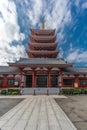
point(43, 24)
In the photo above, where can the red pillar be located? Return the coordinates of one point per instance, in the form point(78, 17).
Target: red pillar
point(5, 82)
point(20, 84)
point(49, 79)
point(33, 78)
point(60, 79)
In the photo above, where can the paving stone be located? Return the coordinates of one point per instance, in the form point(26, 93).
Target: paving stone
point(36, 113)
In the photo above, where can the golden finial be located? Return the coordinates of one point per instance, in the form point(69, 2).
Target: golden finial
point(43, 24)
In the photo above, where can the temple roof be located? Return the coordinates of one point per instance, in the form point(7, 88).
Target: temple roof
point(40, 61)
point(8, 70)
point(76, 70)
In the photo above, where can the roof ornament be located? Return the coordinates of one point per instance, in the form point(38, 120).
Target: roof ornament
point(43, 24)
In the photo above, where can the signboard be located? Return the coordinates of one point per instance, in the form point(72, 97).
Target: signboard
point(16, 83)
point(76, 85)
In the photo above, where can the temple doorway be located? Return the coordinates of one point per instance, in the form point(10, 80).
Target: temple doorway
point(29, 81)
point(41, 81)
point(54, 81)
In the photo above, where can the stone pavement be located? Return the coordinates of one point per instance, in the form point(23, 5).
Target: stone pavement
point(36, 113)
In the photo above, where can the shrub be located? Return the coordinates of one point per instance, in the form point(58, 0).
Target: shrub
point(67, 91)
point(70, 91)
point(13, 92)
point(3, 91)
point(76, 91)
point(85, 90)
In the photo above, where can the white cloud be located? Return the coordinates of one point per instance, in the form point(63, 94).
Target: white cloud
point(71, 47)
point(11, 53)
point(84, 5)
point(35, 11)
point(61, 53)
point(77, 56)
point(9, 32)
point(60, 14)
point(77, 3)
point(57, 13)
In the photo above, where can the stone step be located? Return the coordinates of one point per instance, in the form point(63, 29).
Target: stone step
point(40, 91)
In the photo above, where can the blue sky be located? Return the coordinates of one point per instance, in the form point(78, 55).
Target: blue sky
point(68, 17)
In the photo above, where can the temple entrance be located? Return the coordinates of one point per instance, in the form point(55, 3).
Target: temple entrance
point(54, 81)
point(41, 81)
point(29, 81)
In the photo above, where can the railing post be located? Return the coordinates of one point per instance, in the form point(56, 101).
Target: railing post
point(33, 78)
point(49, 79)
point(20, 84)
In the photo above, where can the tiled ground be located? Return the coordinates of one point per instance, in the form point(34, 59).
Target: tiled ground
point(36, 113)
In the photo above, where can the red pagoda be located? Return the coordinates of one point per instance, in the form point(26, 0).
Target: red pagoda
point(42, 70)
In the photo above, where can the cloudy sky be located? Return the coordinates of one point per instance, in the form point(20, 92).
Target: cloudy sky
point(68, 17)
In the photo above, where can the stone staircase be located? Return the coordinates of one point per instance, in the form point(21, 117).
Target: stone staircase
point(40, 91)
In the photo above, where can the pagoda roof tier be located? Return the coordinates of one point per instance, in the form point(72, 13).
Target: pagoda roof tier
point(43, 39)
point(45, 54)
point(41, 46)
point(42, 32)
point(42, 43)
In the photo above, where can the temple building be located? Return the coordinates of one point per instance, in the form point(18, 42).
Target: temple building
point(42, 69)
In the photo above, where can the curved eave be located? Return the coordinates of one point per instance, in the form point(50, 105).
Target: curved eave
point(45, 54)
point(39, 65)
point(10, 72)
point(75, 73)
point(41, 46)
point(43, 39)
point(42, 32)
